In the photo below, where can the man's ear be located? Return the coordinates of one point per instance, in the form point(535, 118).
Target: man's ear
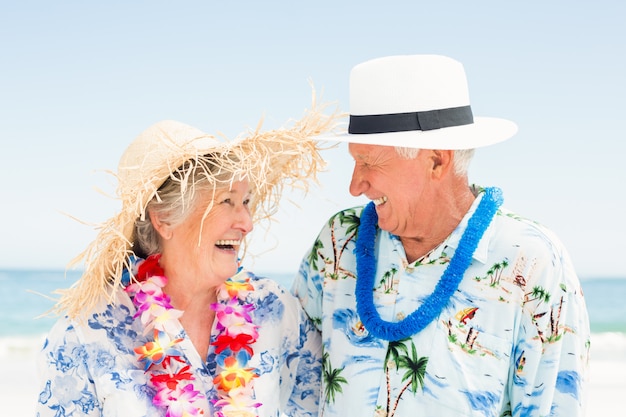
point(163, 229)
point(442, 160)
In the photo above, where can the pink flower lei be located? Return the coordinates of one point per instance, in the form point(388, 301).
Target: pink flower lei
point(169, 372)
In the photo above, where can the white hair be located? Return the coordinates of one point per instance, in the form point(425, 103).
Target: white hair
point(462, 157)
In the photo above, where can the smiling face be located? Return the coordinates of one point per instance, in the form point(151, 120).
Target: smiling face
point(207, 247)
point(421, 200)
point(400, 188)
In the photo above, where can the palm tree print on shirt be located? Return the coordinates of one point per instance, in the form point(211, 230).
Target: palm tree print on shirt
point(349, 220)
point(332, 380)
point(536, 302)
point(387, 281)
point(495, 272)
point(398, 360)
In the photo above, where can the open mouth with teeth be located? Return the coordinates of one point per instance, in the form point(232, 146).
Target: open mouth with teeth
point(379, 201)
point(228, 244)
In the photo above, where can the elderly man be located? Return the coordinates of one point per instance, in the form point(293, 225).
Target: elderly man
point(432, 299)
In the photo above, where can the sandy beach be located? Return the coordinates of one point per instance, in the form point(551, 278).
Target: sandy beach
point(605, 394)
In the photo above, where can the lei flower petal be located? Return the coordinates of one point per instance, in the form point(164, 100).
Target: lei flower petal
point(179, 401)
point(234, 317)
point(232, 288)
point(238, 403)
point(171, 381)
point(149, 267)
point(157, 351)
point(233, 375)
point(234, 343)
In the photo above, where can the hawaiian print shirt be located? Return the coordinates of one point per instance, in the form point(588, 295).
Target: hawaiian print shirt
point(513, 340)
point(89, 368)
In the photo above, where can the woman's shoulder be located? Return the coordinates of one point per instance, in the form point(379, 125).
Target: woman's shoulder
point(267, 288)
point(267, 284)
point(107, 319)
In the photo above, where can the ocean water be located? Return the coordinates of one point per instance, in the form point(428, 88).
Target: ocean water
point(25, 298)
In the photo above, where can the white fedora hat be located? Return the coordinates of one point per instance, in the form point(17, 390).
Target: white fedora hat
point(417, 101)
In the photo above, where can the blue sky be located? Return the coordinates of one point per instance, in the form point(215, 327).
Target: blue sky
point(80, 79)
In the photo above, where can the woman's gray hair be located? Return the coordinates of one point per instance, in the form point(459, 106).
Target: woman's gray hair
point(462, 157)
point(175, 200)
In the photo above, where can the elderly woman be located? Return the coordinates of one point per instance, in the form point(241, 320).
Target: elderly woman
point(164, 321)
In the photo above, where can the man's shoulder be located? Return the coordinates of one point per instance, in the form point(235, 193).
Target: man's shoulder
point(526, 232)
point(351, 213)
point(343, 223)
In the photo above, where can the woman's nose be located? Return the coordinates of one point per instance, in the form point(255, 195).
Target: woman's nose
point(244, 220)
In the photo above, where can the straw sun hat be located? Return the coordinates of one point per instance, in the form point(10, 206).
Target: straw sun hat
point(268, 160)
point(417, 101)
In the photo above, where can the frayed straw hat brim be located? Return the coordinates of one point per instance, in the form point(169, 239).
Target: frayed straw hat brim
point(269, 160)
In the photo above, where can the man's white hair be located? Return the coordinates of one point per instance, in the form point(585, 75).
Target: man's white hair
point(462, 157)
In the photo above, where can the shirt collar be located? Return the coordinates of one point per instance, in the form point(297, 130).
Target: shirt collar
point(482, 250)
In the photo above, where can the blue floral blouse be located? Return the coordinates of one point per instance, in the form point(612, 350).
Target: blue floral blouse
point(89, 368)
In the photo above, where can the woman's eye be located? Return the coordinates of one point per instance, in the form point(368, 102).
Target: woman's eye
point(246, 202)
point(226, 201)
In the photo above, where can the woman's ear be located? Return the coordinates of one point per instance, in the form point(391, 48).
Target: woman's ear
point(163, 229)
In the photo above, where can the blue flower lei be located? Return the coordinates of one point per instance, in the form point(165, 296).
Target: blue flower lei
point(447, 285)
